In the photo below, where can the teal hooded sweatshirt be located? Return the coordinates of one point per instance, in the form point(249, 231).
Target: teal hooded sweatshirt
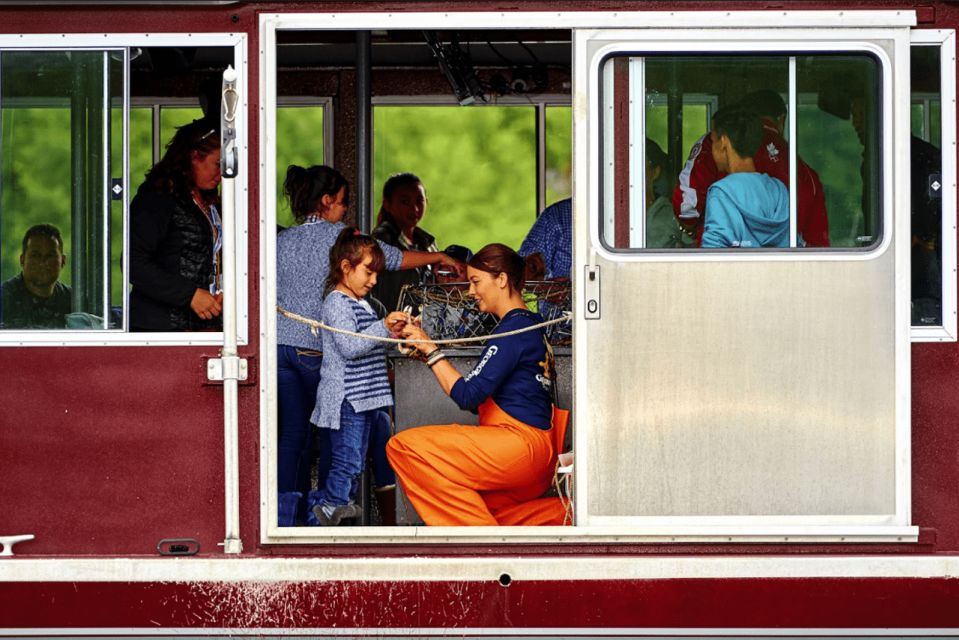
point(747, 210)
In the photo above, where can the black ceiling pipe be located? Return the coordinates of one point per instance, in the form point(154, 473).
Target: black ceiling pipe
point(364, 129)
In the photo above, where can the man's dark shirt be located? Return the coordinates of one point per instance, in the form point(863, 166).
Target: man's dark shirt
point(20, 309)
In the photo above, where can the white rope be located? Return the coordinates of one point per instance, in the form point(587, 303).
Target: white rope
point(316, 324)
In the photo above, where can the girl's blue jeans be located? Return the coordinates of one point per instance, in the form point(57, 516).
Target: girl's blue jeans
point(380, 433)
point(347, 449)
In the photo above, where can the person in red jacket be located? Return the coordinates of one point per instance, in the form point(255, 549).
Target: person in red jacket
point(700, 172)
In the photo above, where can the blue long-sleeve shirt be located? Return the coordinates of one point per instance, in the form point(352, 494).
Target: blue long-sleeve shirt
point(552, 236)
point(514, 371)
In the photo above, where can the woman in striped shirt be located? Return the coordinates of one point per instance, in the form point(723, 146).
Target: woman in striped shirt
point(354, 372)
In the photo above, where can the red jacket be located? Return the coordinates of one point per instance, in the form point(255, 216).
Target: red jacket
point(772, 158)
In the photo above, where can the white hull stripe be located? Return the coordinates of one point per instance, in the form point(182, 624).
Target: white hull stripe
point(419, 569)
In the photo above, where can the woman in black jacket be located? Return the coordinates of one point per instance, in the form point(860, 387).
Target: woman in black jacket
point(175, 237)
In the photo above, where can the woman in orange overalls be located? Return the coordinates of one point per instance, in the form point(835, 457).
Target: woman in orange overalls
point(493, 473)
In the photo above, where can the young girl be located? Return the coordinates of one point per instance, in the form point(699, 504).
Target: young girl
point(354, 385)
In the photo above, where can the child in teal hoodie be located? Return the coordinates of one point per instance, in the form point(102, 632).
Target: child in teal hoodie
point(745, 209)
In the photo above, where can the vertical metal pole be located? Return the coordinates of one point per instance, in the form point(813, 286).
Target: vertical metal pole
point(871, 178)
point(674, 123)
point(792, 115)
point(1, 171)
point(637, 152)
point(157, 142)
point(364, 138)
point(78, 246)
point(103, 188)
point(540, 157)
point(125, 202)
point(231, 362)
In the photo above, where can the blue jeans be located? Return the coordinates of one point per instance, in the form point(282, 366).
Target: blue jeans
point(347, 448)
point(380, 433)
point(297, 377)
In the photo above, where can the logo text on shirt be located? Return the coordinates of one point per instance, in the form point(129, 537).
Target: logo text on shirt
point(482, 363)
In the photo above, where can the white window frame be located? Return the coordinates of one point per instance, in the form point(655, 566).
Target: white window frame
point(637, 167)
point(122, 337)
point(946, 40)
point(584, 85)
point(326, 104)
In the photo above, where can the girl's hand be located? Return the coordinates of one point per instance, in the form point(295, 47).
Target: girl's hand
point(414, 332)
point(395, 321)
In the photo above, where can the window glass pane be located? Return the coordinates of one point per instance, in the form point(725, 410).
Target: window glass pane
point(54, 170)
point(478, 166)
point(838, 130)
point(559, 153)
point(299, 140)
point(926, 167)
point(671, 150)
point(141, 144)
point(917, 113)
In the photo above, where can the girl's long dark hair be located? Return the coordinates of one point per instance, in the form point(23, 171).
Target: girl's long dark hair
point(305, 187)
point(174, 172)
point(497, 258)
point(352, 246)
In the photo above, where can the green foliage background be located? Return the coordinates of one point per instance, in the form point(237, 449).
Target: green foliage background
point(478, 166)
point(34, 178)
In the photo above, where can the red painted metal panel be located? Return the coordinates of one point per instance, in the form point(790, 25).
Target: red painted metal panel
point(105, 451)
point(771, 603)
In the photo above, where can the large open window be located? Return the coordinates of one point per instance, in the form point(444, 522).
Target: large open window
point(718, 394)
point(80, 129)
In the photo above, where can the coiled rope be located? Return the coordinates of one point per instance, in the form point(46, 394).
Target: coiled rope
point(316, 325)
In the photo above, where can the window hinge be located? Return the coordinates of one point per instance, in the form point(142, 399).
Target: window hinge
point(227, 368)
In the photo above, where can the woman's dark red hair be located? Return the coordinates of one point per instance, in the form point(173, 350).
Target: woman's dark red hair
point(497, 258)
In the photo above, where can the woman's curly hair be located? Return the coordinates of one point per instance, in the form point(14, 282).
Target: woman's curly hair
point(174, 172)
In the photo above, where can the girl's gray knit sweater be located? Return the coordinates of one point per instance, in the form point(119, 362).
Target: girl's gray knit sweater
point(353, 367)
